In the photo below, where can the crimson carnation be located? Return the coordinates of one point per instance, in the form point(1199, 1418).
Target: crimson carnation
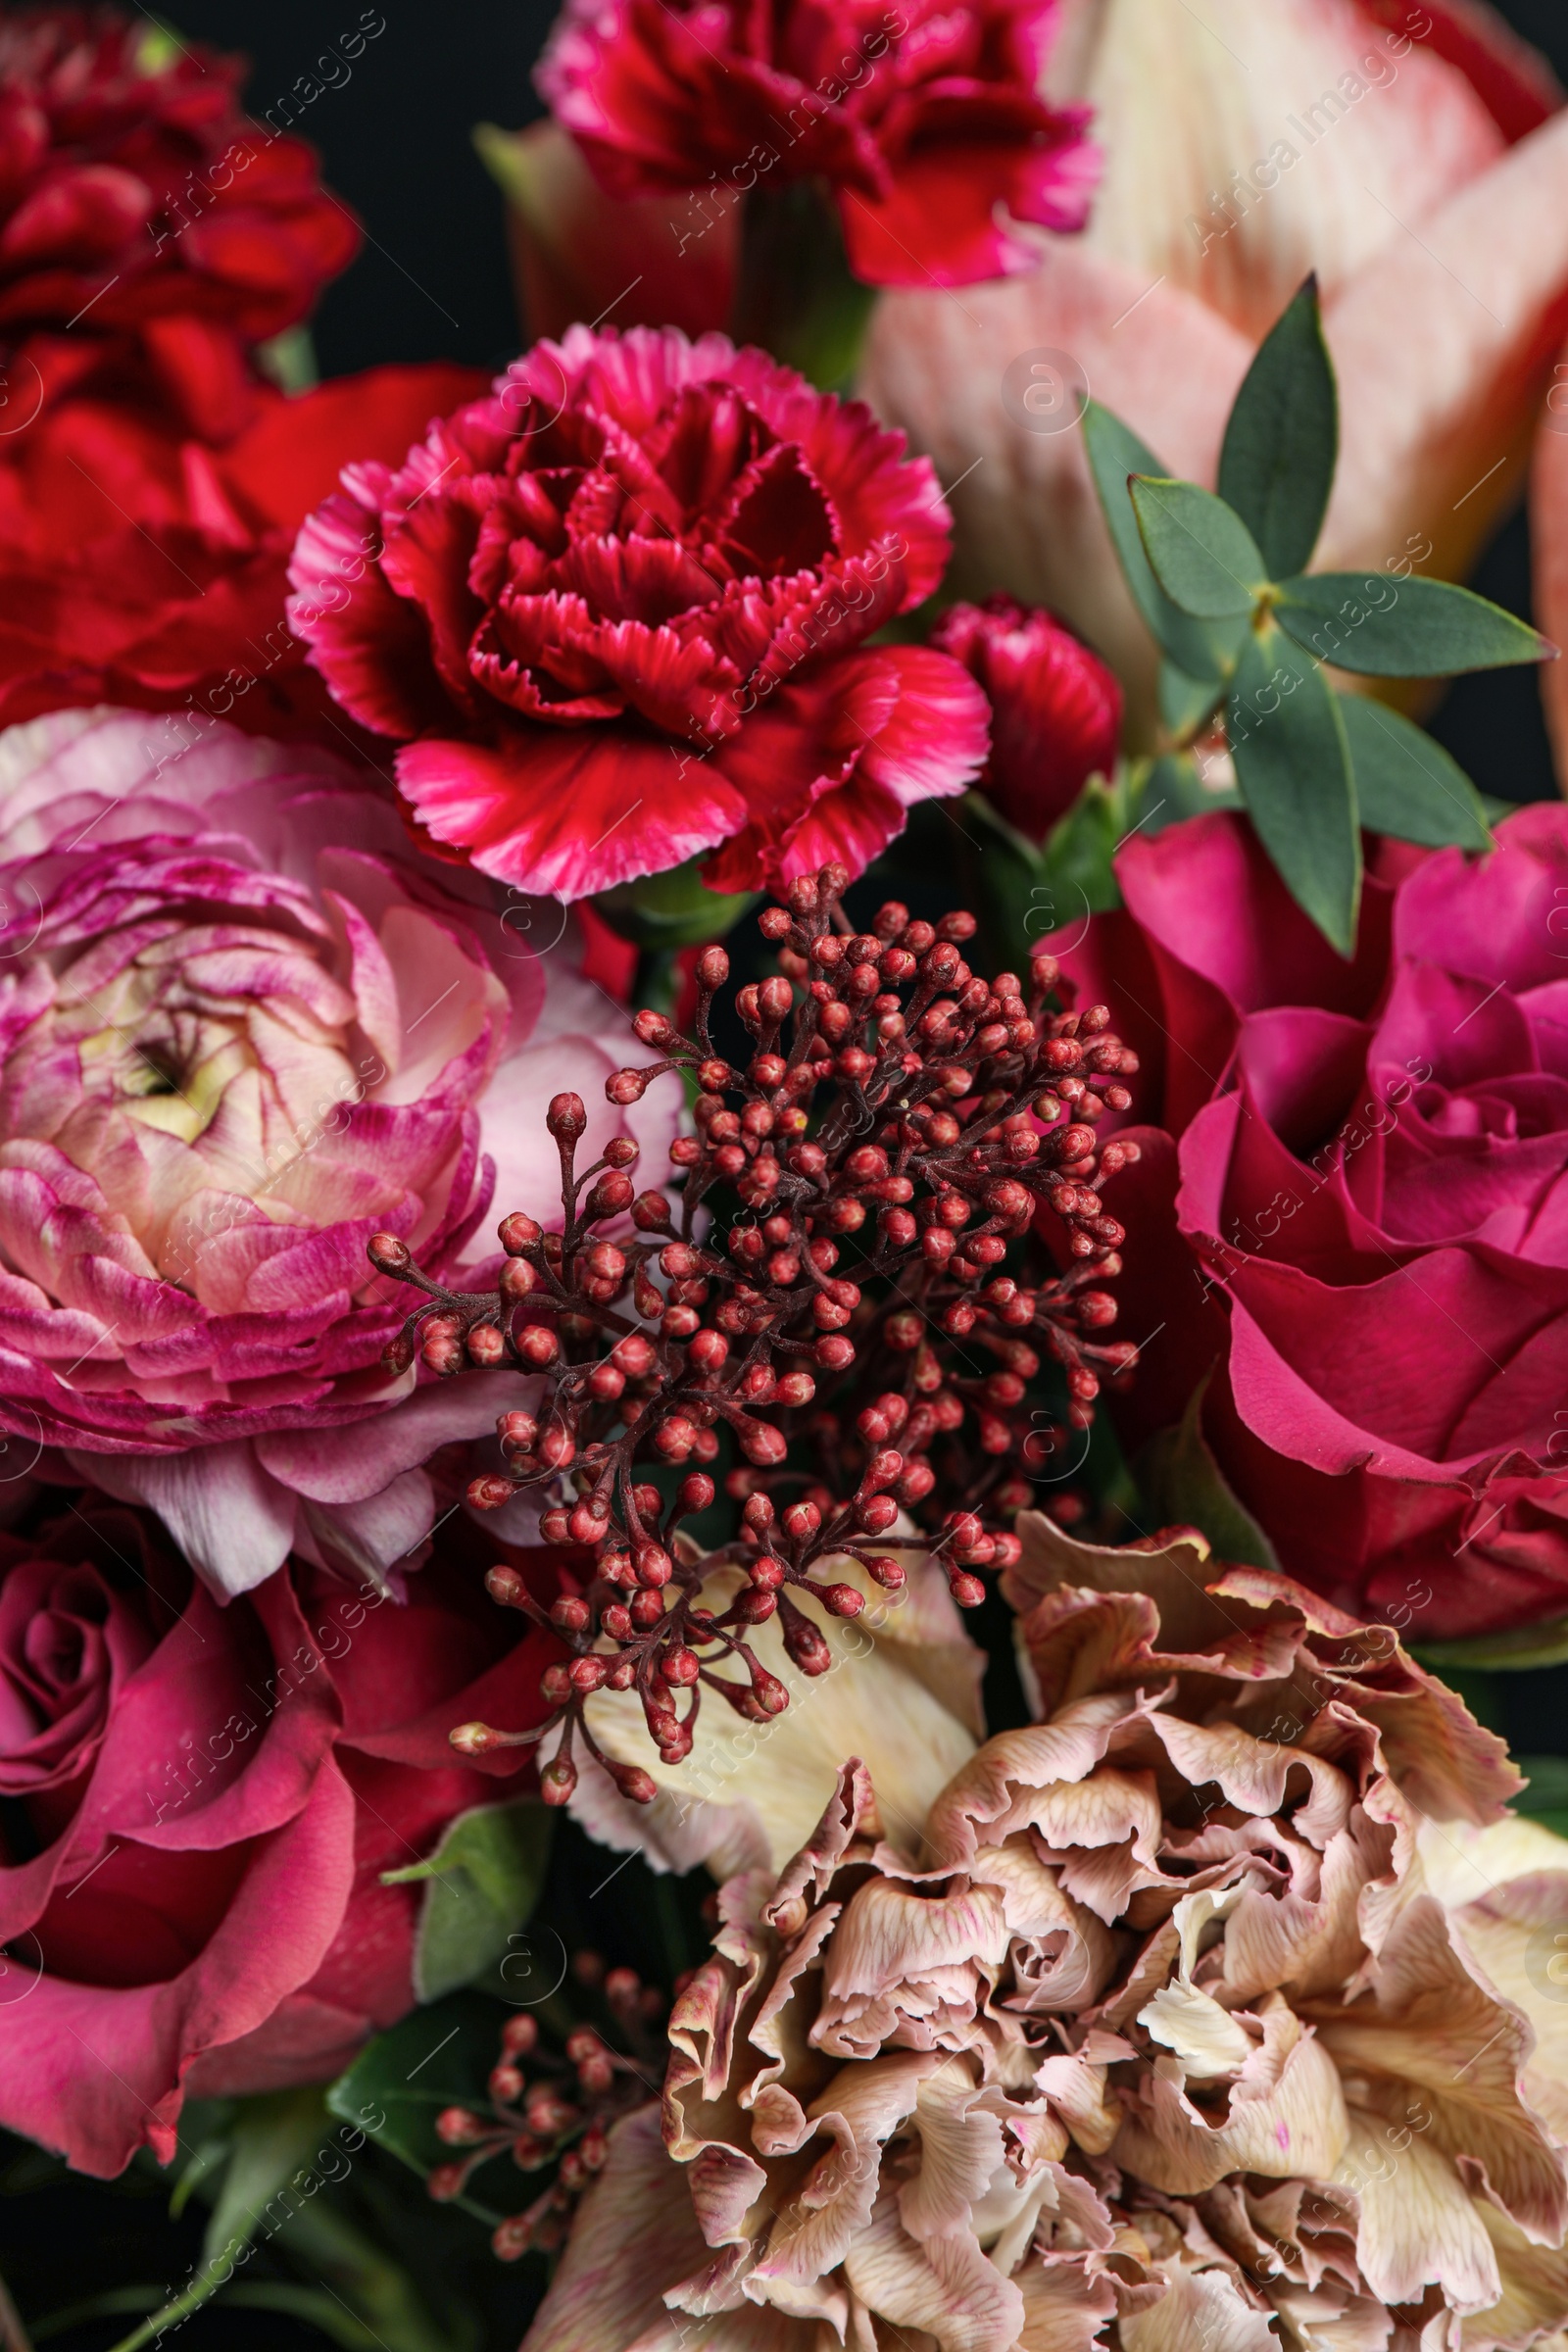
point(1055, 708)
point(616, 615)
point(145, 216)
point(925, 121)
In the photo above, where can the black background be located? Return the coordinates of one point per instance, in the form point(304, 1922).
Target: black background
point(432, 282)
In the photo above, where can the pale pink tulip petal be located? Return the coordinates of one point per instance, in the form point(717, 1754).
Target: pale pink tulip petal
point(233, 1523)
point(1443, 345)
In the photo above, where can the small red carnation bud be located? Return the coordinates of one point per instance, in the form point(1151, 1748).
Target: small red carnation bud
point(567, 1118)
point(387, 1253)
point(558, 1782)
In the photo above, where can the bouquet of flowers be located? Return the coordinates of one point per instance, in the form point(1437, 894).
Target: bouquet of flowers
point(783, 1255)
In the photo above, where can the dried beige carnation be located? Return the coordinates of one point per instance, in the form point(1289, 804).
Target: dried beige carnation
point(1210, 2014)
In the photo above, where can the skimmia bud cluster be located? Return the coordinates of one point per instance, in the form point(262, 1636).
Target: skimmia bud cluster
point(877, 1299)
point(551, 2111)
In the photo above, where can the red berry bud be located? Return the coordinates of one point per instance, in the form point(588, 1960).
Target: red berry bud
point(387, 1253)
point(567, 1118)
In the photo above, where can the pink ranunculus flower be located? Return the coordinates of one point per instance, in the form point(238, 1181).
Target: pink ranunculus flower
point(927, 122)
point(617, 615)
point(243, 1027)
point(1352, 1235)
point(1410, 156)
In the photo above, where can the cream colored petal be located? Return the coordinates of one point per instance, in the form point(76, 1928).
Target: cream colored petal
point(1296, 2126)
point(994, 1791)
point(1205, 2038)
point(857, 2113)
point(1535, 2290)
point(1200, 2311)
point(1443, 345)
point(960, 2149)
point(1419, 2225)
point(751, 1793)
point(1065, 2306)
point(946, 2286)
point(635, 2236)
point(1431, 2025)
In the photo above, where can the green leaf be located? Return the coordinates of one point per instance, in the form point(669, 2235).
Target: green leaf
point(398, 2085)
point(672, 909)
point(484, 1880)
point(1545, 1644)
point(313, 2305)
point(1383, 628)
point(275, 2136)
point(1282, 443)
point(1203, 650)
point(1202, 555)
point(1292, 763)
point(1185, 702)
point(1407, 784)
point(1183, 1485)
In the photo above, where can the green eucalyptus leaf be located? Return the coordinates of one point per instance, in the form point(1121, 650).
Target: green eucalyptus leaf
point(1383, 628)
point(1116, 453)
point(482, 1882)
point(1185, 702)
point(1282, 442)
point(1201, 553)
point(1175, 790)
point(1292, 763)
point(1407, 785)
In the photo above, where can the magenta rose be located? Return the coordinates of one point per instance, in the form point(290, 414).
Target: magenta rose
point(619, 614)
point(199, 1804)
point(243, 1026)
point(1355, 1224)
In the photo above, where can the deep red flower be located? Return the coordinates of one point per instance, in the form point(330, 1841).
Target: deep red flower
point(925, 121)
point(1355, 1223)
point(140, 567)
point(150, 231)
point(616, 616)
point(198, 1806)
point(1055, 708)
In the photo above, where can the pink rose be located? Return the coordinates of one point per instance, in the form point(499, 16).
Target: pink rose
point(243, 1027)
point(199, 1804)
point(1356, 1223)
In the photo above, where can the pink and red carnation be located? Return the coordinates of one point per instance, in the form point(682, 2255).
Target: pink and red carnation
point(616, 616)
point(151, 233)
point(925, 122)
